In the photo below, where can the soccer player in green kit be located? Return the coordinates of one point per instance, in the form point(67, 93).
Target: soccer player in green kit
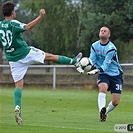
point(19, 54)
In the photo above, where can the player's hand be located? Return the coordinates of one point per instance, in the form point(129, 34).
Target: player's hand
point(42, 12)
point(80, 70)
point(95, 71)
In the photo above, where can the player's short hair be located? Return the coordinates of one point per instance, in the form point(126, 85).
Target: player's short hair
point(7, 8)
point(108, 29)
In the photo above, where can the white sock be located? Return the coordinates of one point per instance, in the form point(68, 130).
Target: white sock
point(101, 100)
point(109, 108)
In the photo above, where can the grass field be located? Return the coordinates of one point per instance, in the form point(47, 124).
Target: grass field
point(61, 111)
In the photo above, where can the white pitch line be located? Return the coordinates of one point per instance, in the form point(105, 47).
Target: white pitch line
point(63, 127)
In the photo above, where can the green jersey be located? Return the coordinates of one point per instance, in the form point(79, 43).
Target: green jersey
point(14, 46)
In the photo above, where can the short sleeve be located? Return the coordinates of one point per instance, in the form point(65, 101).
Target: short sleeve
point(18, 26)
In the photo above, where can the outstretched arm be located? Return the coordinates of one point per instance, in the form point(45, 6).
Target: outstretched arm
point(30, 25)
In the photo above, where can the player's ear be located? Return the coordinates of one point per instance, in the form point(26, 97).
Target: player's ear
point(109, 35)
point(12, 12)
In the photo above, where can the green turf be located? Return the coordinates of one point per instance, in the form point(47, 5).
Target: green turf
point(61, 111)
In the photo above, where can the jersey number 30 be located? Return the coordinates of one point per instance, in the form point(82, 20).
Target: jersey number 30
point(6, 37)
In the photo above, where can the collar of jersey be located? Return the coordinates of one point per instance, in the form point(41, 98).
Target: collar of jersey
point(104, 44)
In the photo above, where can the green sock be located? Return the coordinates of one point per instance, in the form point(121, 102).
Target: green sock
point(66, 60)
point(17, 96)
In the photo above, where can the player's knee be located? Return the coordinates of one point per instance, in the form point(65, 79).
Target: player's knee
point(49, 56)
point(103, 87)
point(115, 102)
point(103, 90)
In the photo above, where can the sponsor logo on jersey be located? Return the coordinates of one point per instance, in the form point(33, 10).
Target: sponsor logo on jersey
point(10, 50)
point(97, 50)
point(104, 52)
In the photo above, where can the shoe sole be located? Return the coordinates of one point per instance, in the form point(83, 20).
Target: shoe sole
point(78, 58)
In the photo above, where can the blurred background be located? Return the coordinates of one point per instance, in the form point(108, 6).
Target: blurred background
point(71, 26)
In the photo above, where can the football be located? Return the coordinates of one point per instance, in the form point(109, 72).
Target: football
point(86, 64)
